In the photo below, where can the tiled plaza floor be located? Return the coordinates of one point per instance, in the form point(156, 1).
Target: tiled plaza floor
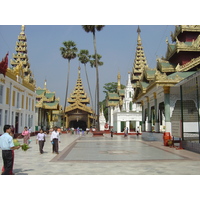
point(88, 155)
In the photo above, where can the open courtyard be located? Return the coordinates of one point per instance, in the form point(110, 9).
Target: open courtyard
point(88, 155)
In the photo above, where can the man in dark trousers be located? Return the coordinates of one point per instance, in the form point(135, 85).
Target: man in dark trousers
point(7, 145)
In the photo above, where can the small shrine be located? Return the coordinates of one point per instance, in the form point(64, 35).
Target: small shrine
point(78, 114)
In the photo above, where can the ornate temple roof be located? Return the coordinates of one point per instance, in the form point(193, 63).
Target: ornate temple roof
point(46, 99)
point(21, 56)
point(140, 62)
point(182, 60)
point(78, 98)
point(20, 70)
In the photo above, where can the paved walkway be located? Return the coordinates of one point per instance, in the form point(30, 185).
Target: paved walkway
point(88, 155)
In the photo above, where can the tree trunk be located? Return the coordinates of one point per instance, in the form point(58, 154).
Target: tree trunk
point(89, 92)
point(67, 86)
point(97, 78)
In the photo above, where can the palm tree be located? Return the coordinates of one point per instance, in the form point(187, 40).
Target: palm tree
point(68, 52)
point(93, 62)
point(93, 28)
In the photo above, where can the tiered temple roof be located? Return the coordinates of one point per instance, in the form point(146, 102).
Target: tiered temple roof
point(140, 62)
point(78, 98)
point(46, 99)
point(21, 57)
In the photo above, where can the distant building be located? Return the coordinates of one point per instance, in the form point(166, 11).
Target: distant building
point(48, 110)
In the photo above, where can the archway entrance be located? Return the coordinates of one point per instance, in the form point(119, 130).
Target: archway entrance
point(81, 124)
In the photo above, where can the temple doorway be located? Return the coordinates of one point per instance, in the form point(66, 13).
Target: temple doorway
point(75, 124)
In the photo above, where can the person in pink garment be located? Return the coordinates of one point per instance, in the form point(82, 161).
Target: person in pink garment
point(26, 135)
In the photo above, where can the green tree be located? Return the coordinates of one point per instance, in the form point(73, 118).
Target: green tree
point(68, 52)
point(93, 29)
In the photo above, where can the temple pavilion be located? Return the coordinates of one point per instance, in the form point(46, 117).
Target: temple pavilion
point(48, 109)
point(78, 114)
point(154, 87)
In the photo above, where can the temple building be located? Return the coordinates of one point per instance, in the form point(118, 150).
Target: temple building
point(156, 91)
point(17, 90)
point(78, 114)
point(48, 109)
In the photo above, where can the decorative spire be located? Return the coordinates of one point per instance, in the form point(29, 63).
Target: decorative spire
point(22, 29)
point(45, 84)
point(79, 95)
point(118, 81)
point(140, 61)
point(21, 56)
point(79, 72)
point(139, 41)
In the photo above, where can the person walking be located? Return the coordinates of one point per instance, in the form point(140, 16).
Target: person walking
point(26, 135)
point(7, 145)
point(111, 132)
point(41, 140)
point(138, 130)
point(55, 138)
point(124, 131)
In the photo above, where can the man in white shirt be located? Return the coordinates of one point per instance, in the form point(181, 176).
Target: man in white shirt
point(7, 145)
point(55, 138)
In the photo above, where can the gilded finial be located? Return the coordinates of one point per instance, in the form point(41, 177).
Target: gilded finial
point(138, 30)
point(79, 72)
point(22, 29)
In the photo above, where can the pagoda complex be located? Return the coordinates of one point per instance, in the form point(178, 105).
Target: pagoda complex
point(155, 89)
point(18, 103)
point(78, 114)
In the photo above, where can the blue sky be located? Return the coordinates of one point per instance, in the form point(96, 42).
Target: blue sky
point(116, 43)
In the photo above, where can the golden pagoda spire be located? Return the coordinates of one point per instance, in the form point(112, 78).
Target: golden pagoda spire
point(140, 61)
point(118, 81)
point(21, 56)
point(79, 72)
point(79, 95)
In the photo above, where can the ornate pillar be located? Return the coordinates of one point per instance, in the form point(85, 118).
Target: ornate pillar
point(167, 108)
point(128, 125)
point(118, 126)
point(149, 126)
point(111, 116)
point(157, 127)
point(143, 116)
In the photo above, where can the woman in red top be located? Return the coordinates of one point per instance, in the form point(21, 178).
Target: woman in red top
point(26, 135)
